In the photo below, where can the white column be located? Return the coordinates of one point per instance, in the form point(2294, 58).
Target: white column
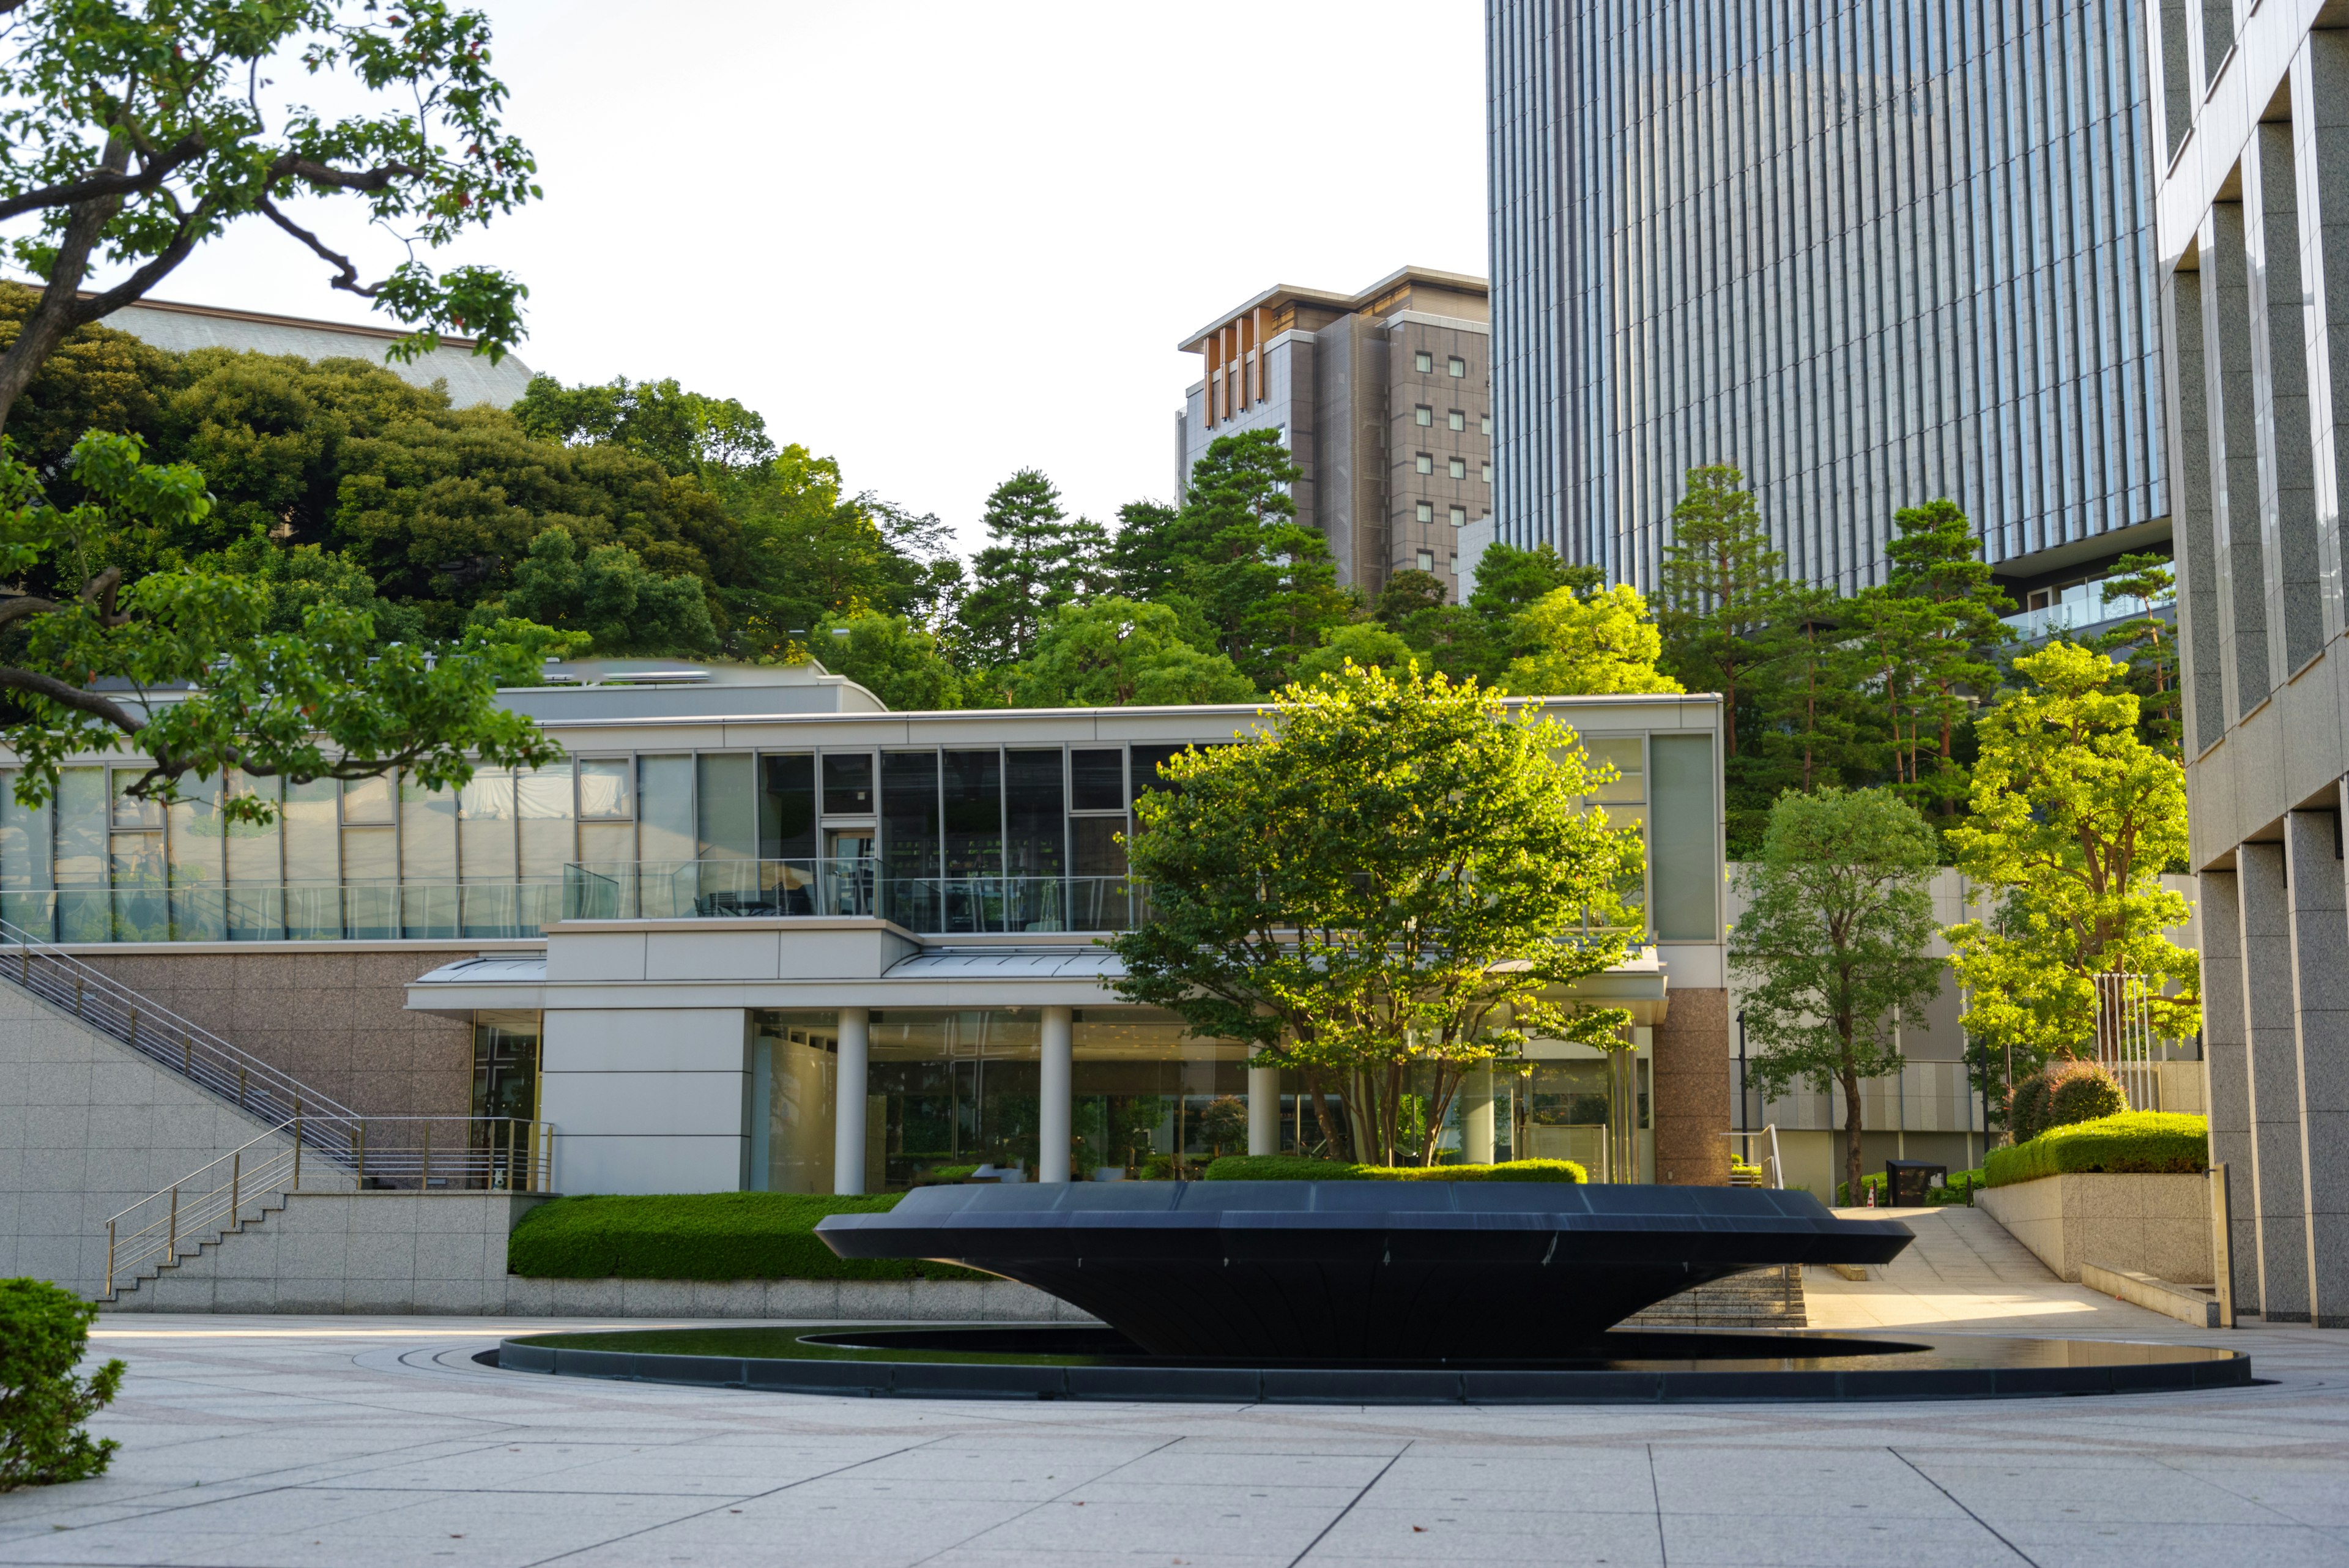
point(1264, 1110)
point(848, 1105)
point(1054, 1085)
point(1476, 1117)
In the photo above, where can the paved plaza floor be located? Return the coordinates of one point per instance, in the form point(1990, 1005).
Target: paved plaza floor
point(359, 1442)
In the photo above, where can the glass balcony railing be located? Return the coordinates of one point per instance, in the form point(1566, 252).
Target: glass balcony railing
point(2078, 612)
point(723, 890)
point(288, 912)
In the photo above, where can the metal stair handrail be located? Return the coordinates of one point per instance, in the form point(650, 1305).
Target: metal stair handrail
point(159, 1034)
point(188, 1208)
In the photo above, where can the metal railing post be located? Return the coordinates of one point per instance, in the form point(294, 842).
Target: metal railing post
point(235, 1188)
point(297, 1143)
point(424, 1175)
point(240, 1088)
point(76, 996)
point(187, 1053)
point(134, 1029)
point(362, 1151)
point(173, 1249)
point(109, 1257)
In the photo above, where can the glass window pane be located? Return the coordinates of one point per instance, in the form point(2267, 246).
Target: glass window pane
point(131, 810)
point(1095, 843)
point(974, 813)
point(729, 826)
point(505, 1067)
point(956, 1088)
point(1097, 780)
point(82, 814)
point(910, 835)
point(485, 827)
point(787, 808)
point(1146, 763)
point(542, 812)
point(1035, 842)
point(195, 834)
point(428, 833)
point(793, 1095)
point(665, 808)
point(1624, 755)
point(607, 788)
point(312, 852)
point(367, 801)
point(1682, 840)
point(254, 854)
point(23, 839)
point(370, 854)
point(847, 784)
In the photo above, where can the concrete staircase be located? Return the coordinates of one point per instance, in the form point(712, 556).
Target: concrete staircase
point(195, 1245)
point(1758, 1298)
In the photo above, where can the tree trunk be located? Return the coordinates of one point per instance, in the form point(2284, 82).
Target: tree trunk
point(1332, 1134)
point(1852, 1130)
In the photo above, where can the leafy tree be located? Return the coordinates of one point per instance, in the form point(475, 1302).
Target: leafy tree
point(1040, 558)
point(306, 577)
point(1479, 636)
point(1721, 585)
point(2147, 647)
point(1263, 581)
point(43, 1333)
point(814, 553)
point(137, 134)
point(685, 432)
point(1143, 564)
point(1831, 947)
point(1409, 593)
point(328, 702)
point(1585, 647)
point(1111, 652)
point(1933, 629)
point(1381, 891)
point(138, 131)
point(892, 658)
point(1360, 642)
point(607, 594)
point(2074, 818)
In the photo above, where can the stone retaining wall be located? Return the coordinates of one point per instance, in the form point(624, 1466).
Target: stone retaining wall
point(2149, 1224)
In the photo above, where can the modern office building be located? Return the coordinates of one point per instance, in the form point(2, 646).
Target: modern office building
point(1383, 397)
point(2252, 111)
point(754, 933)
point(1870, 253)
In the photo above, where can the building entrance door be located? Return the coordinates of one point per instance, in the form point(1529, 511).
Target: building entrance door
point(847, 871)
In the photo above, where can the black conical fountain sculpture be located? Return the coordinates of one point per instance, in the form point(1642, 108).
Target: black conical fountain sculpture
point(1369, 1271)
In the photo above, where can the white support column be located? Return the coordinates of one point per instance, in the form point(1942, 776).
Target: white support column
point(1264, 1110)
point(1476, 1117)
point(848, 1105)
point(1055, 1085)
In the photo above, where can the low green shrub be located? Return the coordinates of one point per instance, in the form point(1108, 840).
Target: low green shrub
point(2132, 1141)
point(1959, 1187)
point(2082, 1092)
point(44, 1331)
point(1866, 1184)
point(702, 1236)
point(2026, 1109)
point(1293, 1167)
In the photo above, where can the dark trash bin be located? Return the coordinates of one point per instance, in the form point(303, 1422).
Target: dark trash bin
point(1905, 1181)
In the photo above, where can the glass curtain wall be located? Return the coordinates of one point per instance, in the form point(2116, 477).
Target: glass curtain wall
point(794, 1062)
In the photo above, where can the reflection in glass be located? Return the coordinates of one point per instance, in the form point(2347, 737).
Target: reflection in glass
point(794, 1058)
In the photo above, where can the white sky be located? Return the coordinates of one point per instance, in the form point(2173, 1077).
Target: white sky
point(941, 242)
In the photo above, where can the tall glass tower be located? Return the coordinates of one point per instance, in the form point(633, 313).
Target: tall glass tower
point(1871, 252)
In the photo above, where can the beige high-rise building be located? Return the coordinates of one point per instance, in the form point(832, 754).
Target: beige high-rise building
point(1384, 398)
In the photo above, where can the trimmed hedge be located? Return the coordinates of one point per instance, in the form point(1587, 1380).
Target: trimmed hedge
point(702, 1236)
point(2148, 1141)
point(1292, 1168)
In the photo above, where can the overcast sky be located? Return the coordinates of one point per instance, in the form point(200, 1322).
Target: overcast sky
point(942, 242)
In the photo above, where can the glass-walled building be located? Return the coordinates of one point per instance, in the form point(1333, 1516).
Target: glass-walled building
point(1870, 253)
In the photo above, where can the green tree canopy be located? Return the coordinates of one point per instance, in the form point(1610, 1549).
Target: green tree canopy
point(685, 432)
point(1383, 890)
point(1038, 559)
point(1360, 642)
point(2075, 819)
point(1265, 583)
point(1720, 585)
point(890, 657)
point(605, 594)
point(2148, 645)
point(1587, 647)
point(1112, 652)
point(1832, 950)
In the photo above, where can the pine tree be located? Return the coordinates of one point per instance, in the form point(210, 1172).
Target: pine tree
point(1720, 585)
point(1265, 583)
point(2148, 645)
point(1040, 559)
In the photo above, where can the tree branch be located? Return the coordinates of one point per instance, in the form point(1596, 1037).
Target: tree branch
point(13, 610)
point(347, 278)
point(73, 697)
point(105, 183)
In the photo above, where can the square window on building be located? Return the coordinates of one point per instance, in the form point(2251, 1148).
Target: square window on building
point(1460, 517)
point(1488, 426)
point(1427, 560)
point(1424, 414)
point(1426, 512)
point(1458, 366)
point(1486, 471)
point(1456, 565)
point(1426, 463)
point(1423, 361)
point(1459, 468)
point(1459, 420)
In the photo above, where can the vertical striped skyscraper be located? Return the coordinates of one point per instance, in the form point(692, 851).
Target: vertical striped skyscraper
point(1870, 251)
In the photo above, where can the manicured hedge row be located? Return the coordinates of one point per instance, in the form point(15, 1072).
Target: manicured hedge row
point(701, 1236)
point(1289, 1167)
point(2132, 1141)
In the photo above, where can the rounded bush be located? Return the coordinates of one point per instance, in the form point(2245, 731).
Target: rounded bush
point(2082, 1092)
point(2026, 1109)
